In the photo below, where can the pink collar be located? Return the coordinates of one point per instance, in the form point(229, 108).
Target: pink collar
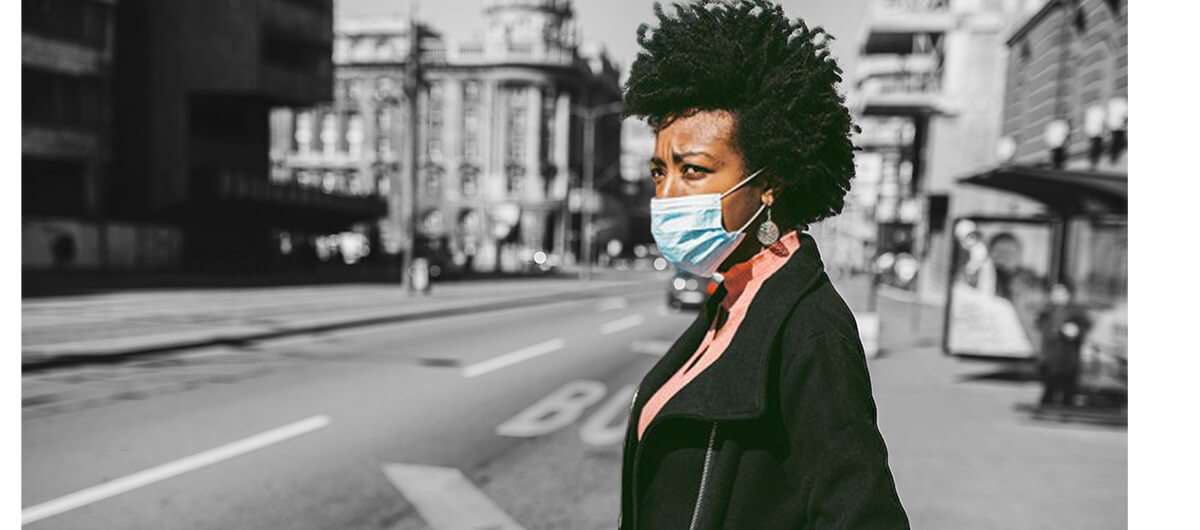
point(759, 267)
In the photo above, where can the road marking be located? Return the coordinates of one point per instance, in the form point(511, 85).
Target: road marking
point(650, 347)
point(610, 304)
point(555, 411)
point(622, 324)
point(604, 426)
point(446, 499)
point(509, 359)
point(155, 474)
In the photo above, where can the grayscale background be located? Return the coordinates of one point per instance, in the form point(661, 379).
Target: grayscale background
point(243, 308)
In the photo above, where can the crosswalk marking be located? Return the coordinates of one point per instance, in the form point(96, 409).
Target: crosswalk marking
point(446, 499)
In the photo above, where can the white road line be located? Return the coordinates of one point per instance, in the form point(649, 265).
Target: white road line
point(508, 359)
point(446, 499)
point(622, 324)
point(610, 304)
point(155, 474)
point(650, 347)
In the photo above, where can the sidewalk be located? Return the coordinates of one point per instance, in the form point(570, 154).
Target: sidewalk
point(964, 447)
point(71, 329)
point(965, 454)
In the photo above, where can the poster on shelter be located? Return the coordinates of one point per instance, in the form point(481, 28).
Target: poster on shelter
point(997, 288)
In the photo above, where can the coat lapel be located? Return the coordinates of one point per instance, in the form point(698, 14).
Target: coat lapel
point(735, 386)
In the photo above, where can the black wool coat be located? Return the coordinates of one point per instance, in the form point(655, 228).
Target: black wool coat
point(780, 432)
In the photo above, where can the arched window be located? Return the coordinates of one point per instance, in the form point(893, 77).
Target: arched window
point(468, 179)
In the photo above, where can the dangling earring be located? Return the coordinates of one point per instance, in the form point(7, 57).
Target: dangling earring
point(768, 231)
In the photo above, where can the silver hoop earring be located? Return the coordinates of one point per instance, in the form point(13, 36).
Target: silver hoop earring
point(768, 231)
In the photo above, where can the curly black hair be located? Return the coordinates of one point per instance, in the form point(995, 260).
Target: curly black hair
point(774, 75)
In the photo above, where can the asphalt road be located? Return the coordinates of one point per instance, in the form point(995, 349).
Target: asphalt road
point(507, 419)
point(314, 421)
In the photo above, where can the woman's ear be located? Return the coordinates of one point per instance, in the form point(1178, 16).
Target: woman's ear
point(768, 197)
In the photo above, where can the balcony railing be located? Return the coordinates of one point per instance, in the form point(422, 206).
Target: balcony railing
point(913, 6)
point(903, 83)
point(881, 65)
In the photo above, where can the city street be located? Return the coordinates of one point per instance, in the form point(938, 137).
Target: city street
point(500, 419)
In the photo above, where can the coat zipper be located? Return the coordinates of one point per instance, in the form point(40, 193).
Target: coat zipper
point(708, 455)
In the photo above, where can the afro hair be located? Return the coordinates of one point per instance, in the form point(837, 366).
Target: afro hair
point(773, 74)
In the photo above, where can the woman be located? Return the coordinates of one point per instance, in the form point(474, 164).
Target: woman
point(760, 415)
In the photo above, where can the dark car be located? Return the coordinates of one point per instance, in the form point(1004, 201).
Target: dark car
point(688, 290)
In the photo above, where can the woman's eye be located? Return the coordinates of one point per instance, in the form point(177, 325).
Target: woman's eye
point(657, 173)
point(693, 170)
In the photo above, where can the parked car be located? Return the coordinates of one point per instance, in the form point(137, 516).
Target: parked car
point(688, 290)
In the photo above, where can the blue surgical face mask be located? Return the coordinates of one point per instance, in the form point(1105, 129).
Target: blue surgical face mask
point(689, 231)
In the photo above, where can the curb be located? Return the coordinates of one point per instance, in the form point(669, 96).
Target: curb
point(242, 335)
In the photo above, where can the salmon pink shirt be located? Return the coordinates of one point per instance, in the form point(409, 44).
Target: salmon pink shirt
point(742, 282)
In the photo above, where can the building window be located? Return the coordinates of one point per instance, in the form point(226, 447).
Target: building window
point(304, 135)
point(436, 118)
point(354, 135)
point(515, 130)
point(472, 103)
point(433, 222)
point(433, 180)
point(81, 21)
point(60, 100)
point(329, 135)
point(468, 178)
point(385, 88)
point(515, 173)
point(383, 133)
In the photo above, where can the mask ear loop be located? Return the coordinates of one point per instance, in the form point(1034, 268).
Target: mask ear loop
point(739, 185)
point(742, 183)
point(753, 217)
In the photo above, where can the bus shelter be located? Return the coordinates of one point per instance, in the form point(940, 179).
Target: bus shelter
point(1002, 269)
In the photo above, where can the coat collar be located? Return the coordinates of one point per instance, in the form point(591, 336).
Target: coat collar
point(735, 386)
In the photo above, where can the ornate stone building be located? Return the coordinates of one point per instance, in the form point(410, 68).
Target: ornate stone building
point(499, 133)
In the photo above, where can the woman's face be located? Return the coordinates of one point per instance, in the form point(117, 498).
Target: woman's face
point(695, 155)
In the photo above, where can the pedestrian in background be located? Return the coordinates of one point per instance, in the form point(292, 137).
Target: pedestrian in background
point(761, 414)
point(1063, 326)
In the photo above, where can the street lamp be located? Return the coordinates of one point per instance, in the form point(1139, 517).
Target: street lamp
point(589, 115)
point(1006, 149)
point(1056, 134)
point(1093, 127)
point(1118, 125)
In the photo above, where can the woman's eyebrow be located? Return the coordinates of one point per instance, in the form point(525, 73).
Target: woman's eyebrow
point(680, 156)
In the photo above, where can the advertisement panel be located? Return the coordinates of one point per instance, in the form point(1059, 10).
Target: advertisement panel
point(998, 286)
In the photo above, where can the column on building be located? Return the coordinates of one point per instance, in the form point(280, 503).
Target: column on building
point(533, 213)
point(562, 153)
point(491, 175)
point(452, 134)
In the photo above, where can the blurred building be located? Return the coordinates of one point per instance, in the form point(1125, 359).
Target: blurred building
point(1062, 155)
point(929, 81)
point(501, 148)
point(165, 106)
point(67, 50)
point(196, 81)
